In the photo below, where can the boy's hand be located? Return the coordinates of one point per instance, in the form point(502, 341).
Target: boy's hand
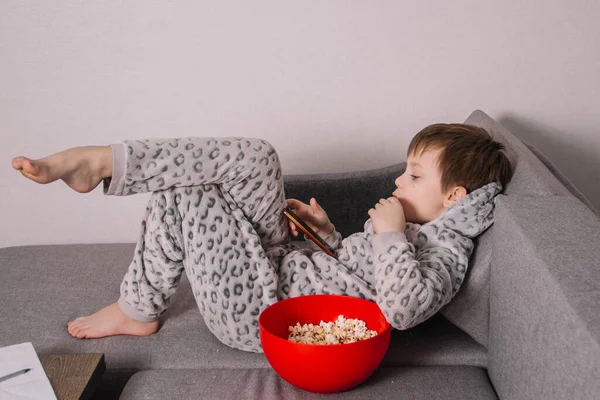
point(388, 216)
point(313, 215)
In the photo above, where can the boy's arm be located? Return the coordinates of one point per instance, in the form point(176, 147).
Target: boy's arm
point(413, 287)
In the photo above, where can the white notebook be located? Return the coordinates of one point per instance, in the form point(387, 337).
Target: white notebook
point(30, 385)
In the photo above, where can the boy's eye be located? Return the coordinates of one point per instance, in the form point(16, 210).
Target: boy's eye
point(414, 177)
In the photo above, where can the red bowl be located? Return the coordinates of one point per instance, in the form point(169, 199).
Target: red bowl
point(322, 368)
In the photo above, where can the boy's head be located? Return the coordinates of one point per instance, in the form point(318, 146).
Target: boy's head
point(445, 163)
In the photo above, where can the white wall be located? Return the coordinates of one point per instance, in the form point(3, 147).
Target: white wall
point(334, 85)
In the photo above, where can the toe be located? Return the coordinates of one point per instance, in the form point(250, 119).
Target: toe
point(17, 162)
point(29, 166)
point(33, 177)
point(77, 332)
point(83, 332)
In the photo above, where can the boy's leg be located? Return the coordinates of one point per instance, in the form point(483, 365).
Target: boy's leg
point(155, 271)
point(250, 188)
point(231, 277)
point(247, 169)
point(152, 277)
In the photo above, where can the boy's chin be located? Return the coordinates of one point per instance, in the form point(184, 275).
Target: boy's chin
point(411, 219)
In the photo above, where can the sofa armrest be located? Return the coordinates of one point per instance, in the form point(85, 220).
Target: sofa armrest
point(545, 290)
point(346, 197)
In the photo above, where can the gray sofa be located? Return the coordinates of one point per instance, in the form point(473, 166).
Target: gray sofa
point(524, 325)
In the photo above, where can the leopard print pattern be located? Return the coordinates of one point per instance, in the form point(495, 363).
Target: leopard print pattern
point(216, 212)
point(418, 277)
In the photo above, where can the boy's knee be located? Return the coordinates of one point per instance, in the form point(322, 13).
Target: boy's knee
point(266, 148)
point(267, 154)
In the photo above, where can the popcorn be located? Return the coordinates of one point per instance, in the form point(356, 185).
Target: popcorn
point(339, 332)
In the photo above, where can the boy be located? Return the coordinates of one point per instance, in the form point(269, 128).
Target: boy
point(216, 212)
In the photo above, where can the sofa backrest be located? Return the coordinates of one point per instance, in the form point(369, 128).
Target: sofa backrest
point(469, 310)
point(544, 340)
point(347, 197)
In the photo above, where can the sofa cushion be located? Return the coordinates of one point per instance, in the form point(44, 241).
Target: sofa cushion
point(386, 383)
point(545, 294)
point(44, 287)
point(470, 308)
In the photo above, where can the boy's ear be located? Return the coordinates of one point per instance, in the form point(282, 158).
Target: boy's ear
point(454, 194)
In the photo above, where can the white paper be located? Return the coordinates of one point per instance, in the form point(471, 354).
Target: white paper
point(31, 385)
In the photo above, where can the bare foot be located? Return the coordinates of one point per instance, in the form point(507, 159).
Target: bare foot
point(82, 168)
point(109, 321)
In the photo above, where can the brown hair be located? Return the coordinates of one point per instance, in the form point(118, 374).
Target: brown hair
point(469, 156)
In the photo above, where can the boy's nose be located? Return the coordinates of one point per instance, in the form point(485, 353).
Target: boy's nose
point(398, 181)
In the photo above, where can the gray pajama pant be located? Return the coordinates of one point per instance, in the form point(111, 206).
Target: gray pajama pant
point(216, 212)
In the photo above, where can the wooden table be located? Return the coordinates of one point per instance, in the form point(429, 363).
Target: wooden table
point(74, 376)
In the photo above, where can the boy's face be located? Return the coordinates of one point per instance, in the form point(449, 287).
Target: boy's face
point(419, 189)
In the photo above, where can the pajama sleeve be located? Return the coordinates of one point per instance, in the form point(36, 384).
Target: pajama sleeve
point(412, 286)
point(334, 240)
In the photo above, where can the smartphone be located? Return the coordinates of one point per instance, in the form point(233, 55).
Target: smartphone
point(312, 235)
